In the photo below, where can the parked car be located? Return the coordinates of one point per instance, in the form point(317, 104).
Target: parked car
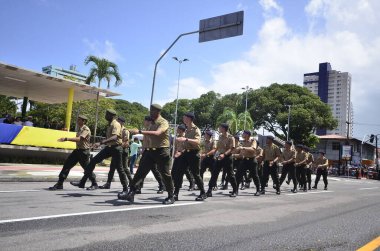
point(372, 173)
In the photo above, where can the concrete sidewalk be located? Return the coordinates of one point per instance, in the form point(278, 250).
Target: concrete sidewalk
point(15, 172)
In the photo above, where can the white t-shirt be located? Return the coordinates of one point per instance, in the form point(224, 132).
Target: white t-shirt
point(28, 123)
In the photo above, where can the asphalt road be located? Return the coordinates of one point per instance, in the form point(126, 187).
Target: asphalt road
point(345, 217)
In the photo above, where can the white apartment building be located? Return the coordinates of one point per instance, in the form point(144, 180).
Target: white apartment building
point(334, 88)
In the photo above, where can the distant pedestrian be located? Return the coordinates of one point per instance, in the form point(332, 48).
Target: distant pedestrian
point(29, 121)
point(134, 148)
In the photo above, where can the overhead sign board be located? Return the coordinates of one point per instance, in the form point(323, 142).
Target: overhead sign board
point(346, 152)
point(229, 25)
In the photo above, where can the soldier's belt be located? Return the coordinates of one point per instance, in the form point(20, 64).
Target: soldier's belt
point(191, 150)
point(248, 158)
point(155, 148)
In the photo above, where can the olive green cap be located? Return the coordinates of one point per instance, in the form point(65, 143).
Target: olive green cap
point(156, 106)
point(111, 111)
point(82, 117)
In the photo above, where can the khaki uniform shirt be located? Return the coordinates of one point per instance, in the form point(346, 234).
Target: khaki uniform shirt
point(207, 146)
point(124, 134)
point(301, 157)
point(146, 142)
point(179, 146)
point(114, 128)
point(271, 152)
point(193, 133)
point(252, 144)
point(288, 155)
point(259, 152)
point(85, 134)
point(225, 143)
point(163, 139)
point(310, 159)
point(322, 161)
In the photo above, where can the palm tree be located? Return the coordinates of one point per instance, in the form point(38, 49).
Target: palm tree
point(228, 116)
point(244, 116)
point(101, 70)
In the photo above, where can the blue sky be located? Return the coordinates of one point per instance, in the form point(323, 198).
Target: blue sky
point(281, 41)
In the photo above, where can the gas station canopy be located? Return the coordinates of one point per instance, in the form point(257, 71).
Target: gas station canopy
point(37, 86)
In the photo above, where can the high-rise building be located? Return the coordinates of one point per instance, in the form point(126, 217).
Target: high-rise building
point(334, 88)
point(71, 74)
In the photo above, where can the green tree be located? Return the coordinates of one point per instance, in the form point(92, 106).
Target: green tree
point(245, 116)
point(100, 71)
point(228, 116)
point(7, 105)
point(308, 112)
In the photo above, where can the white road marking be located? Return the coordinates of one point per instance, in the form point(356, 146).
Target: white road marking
point(334, 179)
point(302, 193)
point(19, 191)
point(368, 188)
point(95, 212)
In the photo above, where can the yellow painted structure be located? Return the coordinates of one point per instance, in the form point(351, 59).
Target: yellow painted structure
point(34, 136)
point(69, 108)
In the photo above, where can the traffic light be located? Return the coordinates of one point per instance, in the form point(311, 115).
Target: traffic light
point(371, 138)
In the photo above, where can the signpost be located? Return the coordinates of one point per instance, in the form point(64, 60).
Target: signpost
point(214, 28)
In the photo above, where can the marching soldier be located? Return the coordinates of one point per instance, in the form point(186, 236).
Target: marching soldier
point(113, 149)
point(207, 155)
point(288, 158)
point(191, 157)
point(224, 147)
point(124, 157)
point(247, 153)
point(178, 164)
point(321, 163)
point(271, 155)
point(81, 154)
point(309, 162)
point(157, 153)
point(236, 159)
point(259, 159)
point(300, 164)
point(146, 144)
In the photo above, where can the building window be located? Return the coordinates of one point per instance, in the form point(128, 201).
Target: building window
point(335, 146)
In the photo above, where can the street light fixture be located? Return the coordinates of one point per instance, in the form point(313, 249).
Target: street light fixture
point(246, 103)
point(180, 61)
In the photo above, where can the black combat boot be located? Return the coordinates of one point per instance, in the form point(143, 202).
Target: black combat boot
point(57, 186)
point(106, 185)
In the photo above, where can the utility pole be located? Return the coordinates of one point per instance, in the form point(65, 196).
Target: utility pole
point(287, 136)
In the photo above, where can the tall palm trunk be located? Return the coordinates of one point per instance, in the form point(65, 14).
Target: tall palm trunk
point(96, 112)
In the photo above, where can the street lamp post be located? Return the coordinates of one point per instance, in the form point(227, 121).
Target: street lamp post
point(180, 61)
point(289, 107)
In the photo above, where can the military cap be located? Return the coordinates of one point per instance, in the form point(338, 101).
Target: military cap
point(247, 132)
point(148, 118)
point(190, 115)
point(156, 106)
point(182, 127)
point(322, 152)
point(82, 117)
point(224, 125)
point(236, 136)
point(270, 137)
point(121, 119)
point(289, 143)
point(306, 148)
point(111, 111)
point(299, 146)
point(208, 132)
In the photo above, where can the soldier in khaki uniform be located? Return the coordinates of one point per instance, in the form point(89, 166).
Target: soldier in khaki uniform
point(125, 144)
point(81, 154)
point(224, 147)
point(146, 144)
point(259, 159)
point(158, 153)
point(301, 160)
point(288, 158)
point(271, 155)
point(208, 151)
point(247, 153)
point(191, 157)
point(236, 159)
point(178, 164)
point(310, 160)
point(322, 164)
point(112, 149)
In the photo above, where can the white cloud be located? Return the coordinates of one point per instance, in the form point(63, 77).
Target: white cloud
point(349, 39)
point(105, 50)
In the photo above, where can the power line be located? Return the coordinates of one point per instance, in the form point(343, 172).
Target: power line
point(365, 124)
